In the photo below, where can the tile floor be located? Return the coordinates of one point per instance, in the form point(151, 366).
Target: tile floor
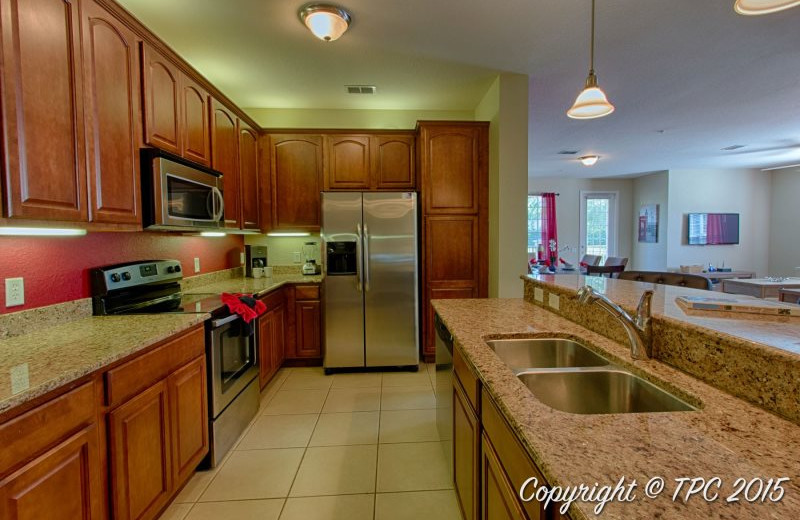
point(346, 446)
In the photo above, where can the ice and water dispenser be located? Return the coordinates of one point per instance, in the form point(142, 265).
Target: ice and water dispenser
point(341, 258)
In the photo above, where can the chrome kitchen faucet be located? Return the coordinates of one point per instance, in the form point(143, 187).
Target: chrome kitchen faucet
point(640, 329)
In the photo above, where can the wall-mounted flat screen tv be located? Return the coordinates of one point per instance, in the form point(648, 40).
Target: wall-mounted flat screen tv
point(713, 229)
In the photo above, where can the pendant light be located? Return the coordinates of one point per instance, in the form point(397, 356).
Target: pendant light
point(591, 102)
point(755, 7)
point(326, 22)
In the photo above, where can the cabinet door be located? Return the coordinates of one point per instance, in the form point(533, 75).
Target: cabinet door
point(347, 162)
point(466, 453)
point(454, 165)
point(498, 496)
point(224, 158)
point(65, 483)
point(161, 84)
point(194, 122)
point(308, 322)
point(266, 337)
point(112, 117)
point(393, 162)
point(279, 336)
point(248, 171)
point(296, 170)
point(43, 126)
point(189, 418)
point(139, 443)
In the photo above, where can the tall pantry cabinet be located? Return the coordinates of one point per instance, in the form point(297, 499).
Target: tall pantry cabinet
point(453, 160)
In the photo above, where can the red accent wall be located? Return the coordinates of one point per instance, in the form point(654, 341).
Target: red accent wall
point(56, 269)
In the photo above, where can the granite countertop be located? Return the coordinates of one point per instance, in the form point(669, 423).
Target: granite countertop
point(780, 332)
point(35, 363)
point(726, 437)
point(256, 286)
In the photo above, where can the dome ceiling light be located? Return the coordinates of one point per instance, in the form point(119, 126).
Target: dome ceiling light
point(589, 160)
point(756, 7)
point(327, 22)
point(591, 102)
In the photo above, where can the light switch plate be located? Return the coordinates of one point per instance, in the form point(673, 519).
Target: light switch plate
point(296, 257)
point(15, 292)
point(241, 258)
point(553, 301)
point(538, 294)
point(196, 265)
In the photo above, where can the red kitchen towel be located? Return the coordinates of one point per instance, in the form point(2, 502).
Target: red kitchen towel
point(244, 305)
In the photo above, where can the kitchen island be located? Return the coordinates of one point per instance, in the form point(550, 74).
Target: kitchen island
point(725, 437)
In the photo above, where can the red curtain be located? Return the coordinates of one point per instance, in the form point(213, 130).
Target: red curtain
point(549, 227)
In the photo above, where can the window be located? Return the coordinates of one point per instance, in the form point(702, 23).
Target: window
point(599, 223)
point(535, 223)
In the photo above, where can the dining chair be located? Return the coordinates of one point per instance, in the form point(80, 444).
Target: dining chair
point(667, 278)
point(601, 270)
point(591, 259)
point(616, 260)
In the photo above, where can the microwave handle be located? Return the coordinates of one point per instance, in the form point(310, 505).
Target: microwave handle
point(221, 200)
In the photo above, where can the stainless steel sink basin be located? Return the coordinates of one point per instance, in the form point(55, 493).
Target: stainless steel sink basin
point(600, 392)
point(544, 353)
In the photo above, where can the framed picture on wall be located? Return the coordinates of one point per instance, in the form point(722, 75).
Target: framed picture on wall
point(648, 223)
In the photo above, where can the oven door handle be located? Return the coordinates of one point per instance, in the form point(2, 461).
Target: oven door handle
point(224, 321)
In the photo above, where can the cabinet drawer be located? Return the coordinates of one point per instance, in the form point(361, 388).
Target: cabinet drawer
point(273, 299)
point(513, 457)
point(130, 378)
point(306, 292)
point(31, 433)
point(467, 379)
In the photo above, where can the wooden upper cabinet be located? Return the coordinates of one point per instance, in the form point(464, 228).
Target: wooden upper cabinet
point(454, 167)
point(248, 175)
point(42, 110)
point(161, 81)
point(347, 162)
point(393, 159)
point(112, 117)
point(196, 145)
point(224, 158)
point(296, 174)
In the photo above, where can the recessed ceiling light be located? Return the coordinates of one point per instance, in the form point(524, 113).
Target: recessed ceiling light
point(327, 22)
point(733, 147)
point(756, 7)
point(361, 89)
point(589, 160)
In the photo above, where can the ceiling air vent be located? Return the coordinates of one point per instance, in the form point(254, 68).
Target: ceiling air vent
point(567, 152)
point(733, 147)
point(360, 89)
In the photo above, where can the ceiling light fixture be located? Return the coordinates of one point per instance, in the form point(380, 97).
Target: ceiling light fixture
point(592, 101)
point(756, 7)
point(327, 22)
point(589, 160)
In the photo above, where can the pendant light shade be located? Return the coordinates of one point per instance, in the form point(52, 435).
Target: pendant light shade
point(326, 22)
point(756, 7)
point(592, 101)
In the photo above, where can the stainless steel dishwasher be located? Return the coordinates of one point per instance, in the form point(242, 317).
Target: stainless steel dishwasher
point(444, 388)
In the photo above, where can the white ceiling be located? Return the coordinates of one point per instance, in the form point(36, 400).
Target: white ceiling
point(688, 77)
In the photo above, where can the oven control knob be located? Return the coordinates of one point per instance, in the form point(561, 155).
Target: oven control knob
point(177, 269)
point(170, 269)
point(126, 276)
point(115, 277)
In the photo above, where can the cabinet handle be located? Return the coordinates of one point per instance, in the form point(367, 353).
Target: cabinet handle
point(359, 269)
point(366, 258)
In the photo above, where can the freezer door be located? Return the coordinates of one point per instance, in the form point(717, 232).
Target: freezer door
point(390, 279)
point(343, 298)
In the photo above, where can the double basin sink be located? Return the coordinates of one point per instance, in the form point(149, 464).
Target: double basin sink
point(567, 376)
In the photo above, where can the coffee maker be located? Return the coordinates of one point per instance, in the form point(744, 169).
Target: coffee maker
point(255, 256)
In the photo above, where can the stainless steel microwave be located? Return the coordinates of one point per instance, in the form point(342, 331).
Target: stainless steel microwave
point(180, 195)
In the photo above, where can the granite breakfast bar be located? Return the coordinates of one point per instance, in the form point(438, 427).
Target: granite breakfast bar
point(725, 437)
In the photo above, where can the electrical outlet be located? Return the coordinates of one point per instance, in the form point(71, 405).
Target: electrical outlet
point(538, 294)
point(15, 292)
point(553, 301)
point(296, 257)
point(196, 265)
point(241, 258)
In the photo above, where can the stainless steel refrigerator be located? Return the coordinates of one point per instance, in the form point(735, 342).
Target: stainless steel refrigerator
point(371, 290)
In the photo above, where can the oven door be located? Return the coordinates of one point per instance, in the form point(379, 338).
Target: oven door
point(233, 361)
point(187, 197)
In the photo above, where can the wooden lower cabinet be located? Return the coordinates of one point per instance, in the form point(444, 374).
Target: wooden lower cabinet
point(188, 403)
point(498, 496)
point(65, 483)
point(308, 328)
point(466, 453)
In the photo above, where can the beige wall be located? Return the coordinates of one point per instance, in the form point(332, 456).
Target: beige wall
point(568, 209)
point(366, 119)
point(650, 189)
point(746, 192)
point(784, 228)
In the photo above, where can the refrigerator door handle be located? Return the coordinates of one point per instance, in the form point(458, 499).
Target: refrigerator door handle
point(359, 268)
point(366, 258)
